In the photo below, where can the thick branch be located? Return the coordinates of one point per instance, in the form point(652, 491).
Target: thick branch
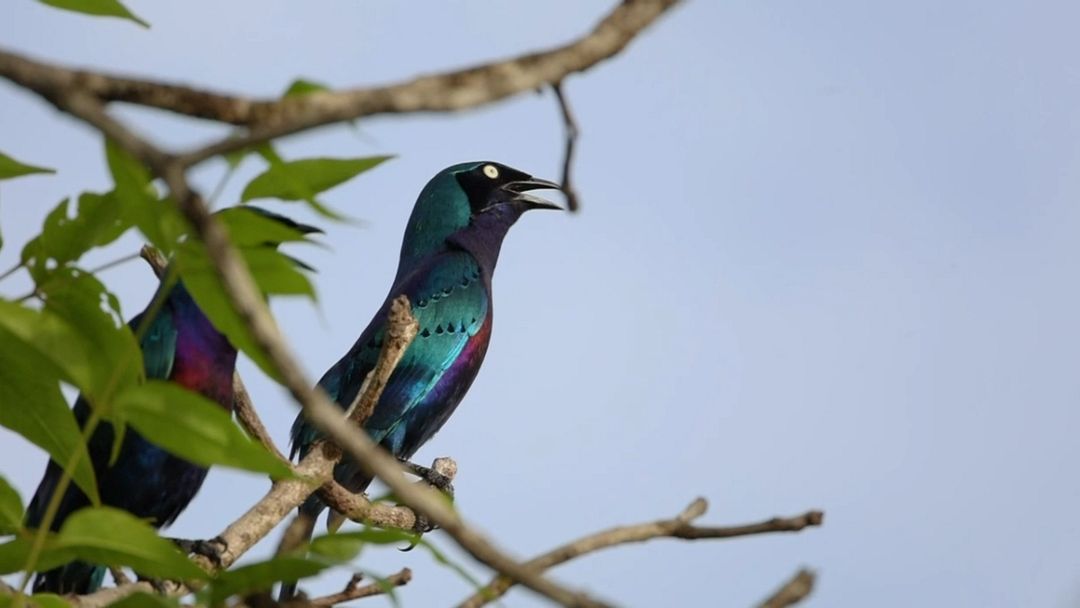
point(267, 119)
point(677, 527)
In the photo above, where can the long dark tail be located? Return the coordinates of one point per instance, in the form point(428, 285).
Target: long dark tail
point(77, 577)
point(309, 511)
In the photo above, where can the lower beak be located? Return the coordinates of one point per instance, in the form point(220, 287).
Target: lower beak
point(521, 188)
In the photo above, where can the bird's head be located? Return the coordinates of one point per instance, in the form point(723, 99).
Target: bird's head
point(471, 206)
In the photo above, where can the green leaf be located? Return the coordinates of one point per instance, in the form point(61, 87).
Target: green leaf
point(304, 179)
point(98, 8)
point(104, 535)
point(263, 575)
point(11, 509)
point(48, 600)
point(15, 554)
point(35, 408)
point(139, 202)
point(301, 86)
point(248, 228)
point(10, 168)
point(64, 239)
point(195, 428)
point(114, 356)
point(344, 546)
point(274, 273)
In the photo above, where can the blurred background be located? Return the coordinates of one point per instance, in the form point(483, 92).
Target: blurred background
point(827, 258)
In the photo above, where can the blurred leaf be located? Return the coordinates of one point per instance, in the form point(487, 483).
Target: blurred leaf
point(263, 575)
point(35, 408)
point(304, 87)
point(98, 221)
point(248, 227)
point(104, 535)
point(98, 8)
point(10, 168)
point(195, 428)
point(14, 554)
point(11, 509)
point(48, 600)
point(344, 546)
point(158, 219)
point(115, 358)
point(273, 272)
point(304, 179)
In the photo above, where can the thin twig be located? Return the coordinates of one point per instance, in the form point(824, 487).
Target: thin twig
point(676, 527)
point(354, 591)
point(571, 127)
point(119, 576)
point(249, 418)
point(792, 592)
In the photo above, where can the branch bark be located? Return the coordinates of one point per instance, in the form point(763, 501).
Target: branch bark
point(676, 527)
point(354, 591)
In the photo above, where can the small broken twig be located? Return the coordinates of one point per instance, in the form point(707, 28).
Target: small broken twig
point(571, 128)
point(792, 592)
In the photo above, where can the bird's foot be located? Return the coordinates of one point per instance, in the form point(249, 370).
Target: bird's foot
point(433, 478)
point(212, 549)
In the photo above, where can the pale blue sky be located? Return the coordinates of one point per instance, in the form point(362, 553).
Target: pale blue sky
point(827, 258)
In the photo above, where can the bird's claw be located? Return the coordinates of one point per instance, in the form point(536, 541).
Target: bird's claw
point(432, 477)
point(212, 549)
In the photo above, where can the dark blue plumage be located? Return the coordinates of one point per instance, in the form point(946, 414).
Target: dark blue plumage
point(448, 256)
point(178, 344)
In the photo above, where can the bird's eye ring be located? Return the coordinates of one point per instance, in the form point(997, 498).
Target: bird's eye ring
point(491, 171)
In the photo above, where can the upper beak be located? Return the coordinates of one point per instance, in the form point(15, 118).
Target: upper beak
point(521, 188)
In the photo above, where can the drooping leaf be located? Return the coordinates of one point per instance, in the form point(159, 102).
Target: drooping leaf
point(97, 8)
point(195, 428)
point(104, 535)
point(34, 407)
point(306, 178)
point(11, 168)
point(11, 509)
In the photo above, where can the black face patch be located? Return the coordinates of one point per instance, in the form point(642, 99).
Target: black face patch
point(483, 183)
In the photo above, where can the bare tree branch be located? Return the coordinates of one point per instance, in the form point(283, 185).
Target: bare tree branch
point(792, 592)
point(249, 418)
point(571, 128)
point(83, 95)
point(267, 119)
point(354, 591)
point(677, 527)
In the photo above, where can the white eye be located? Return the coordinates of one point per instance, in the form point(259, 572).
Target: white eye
point(491, 171)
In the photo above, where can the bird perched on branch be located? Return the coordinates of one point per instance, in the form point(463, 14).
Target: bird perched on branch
point(178, 344)
point(448, 256)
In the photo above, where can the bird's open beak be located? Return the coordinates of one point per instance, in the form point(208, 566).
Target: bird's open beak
point(521, 188)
